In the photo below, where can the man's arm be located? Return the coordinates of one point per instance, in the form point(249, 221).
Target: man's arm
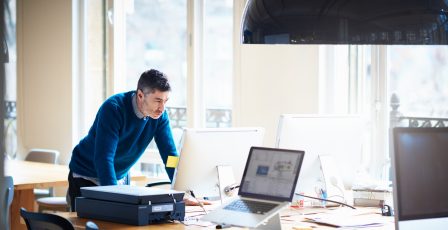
point(165, 142)
point(106, 140)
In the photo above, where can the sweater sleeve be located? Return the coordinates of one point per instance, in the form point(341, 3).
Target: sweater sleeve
point(106, 140)
point(165, 142)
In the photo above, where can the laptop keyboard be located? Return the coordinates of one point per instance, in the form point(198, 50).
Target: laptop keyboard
point(250, 206)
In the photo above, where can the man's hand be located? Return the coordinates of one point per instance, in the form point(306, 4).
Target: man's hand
point(190, 201)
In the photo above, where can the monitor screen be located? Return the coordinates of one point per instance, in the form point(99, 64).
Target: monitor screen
point(202, 150)
point(338, 138)
point(421, 172)
point(271, 173)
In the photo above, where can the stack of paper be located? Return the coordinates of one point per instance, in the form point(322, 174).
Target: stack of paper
point(350, 219)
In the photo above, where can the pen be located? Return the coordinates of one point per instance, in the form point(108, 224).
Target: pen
point(199, 202)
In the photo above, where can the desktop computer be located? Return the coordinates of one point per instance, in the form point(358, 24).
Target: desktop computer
point(211, 156)
point(333, 146)
point(420, 161)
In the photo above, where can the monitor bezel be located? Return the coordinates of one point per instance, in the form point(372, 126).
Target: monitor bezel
point(397, 131)
point(266, 197)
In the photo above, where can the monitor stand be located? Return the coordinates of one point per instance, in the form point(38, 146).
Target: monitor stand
point(332, 180)
point(272, 224)
point(226, 180)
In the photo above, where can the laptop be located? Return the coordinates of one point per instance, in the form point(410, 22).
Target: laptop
point(267, 186)
point(421, 178)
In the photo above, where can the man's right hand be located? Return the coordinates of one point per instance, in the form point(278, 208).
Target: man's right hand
point(190, 201)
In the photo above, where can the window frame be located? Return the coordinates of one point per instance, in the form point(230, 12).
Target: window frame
point(116, 46)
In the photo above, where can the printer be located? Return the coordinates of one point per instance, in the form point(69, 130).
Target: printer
point(130, 204)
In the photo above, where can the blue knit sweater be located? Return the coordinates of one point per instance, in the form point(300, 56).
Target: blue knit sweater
point(117, 139)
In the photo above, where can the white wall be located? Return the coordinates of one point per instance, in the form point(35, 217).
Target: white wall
point(275, 79)
point(44, 106)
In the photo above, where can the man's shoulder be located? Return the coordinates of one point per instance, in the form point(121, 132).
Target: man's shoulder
point(119, 98)
point(117, 102)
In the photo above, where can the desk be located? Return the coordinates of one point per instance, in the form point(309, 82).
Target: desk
point(290, 218)
point(27, 176)
point(30, 175)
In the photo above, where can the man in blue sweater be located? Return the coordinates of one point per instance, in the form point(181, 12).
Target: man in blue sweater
point(124, 126)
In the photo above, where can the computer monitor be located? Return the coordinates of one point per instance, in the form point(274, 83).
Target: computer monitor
point(333, 140)
point(202, 150)
point(421, 178)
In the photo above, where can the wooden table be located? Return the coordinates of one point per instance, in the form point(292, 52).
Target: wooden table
point(30, 175)
point(291, 218)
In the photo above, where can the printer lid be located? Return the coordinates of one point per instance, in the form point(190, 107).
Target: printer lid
point(132, 194)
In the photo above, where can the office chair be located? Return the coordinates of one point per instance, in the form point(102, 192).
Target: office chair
point(38, 221)
point(47, 221)
point(44, 197)
point(43, 156)
point(53, 203)
point(6, 195)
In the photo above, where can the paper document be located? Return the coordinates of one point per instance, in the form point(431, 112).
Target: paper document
point(350, 220)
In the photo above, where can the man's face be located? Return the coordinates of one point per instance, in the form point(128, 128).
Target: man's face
point(152, 104)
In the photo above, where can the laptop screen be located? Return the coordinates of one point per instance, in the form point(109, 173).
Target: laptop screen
point(271, 173)
point(421, 167)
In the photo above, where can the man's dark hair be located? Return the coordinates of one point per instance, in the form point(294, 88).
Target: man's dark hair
point(152, 80)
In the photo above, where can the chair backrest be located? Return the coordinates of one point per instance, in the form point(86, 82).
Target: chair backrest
point(43, 155)
point(41, 221)
point(6, 195)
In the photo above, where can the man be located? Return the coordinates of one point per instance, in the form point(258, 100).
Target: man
point(124, 126)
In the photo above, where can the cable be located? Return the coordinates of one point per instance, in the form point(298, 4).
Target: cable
point(174, 206)
point(228, 190)
point(327, 200)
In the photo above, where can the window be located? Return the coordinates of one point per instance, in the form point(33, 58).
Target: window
point(347, 85)
point(90, 74)
point(11, 80)
point(218, 56)
point(190, 41)
point(156, 37)
point(416, 74)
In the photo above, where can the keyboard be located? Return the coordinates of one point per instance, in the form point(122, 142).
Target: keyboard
point(250, 206)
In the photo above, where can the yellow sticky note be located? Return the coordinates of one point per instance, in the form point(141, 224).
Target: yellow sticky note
point(172, 161)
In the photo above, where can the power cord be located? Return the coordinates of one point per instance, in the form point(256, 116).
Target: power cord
point(174, 206)
point(228, 190)
point(326, 200)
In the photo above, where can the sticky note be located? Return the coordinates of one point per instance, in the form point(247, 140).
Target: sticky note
point(172, 161)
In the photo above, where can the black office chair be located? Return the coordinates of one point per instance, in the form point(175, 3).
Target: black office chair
point(41, 221)
point(6, 195)
point(47, 221)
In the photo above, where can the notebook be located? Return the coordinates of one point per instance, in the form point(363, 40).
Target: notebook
point(267, 186)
